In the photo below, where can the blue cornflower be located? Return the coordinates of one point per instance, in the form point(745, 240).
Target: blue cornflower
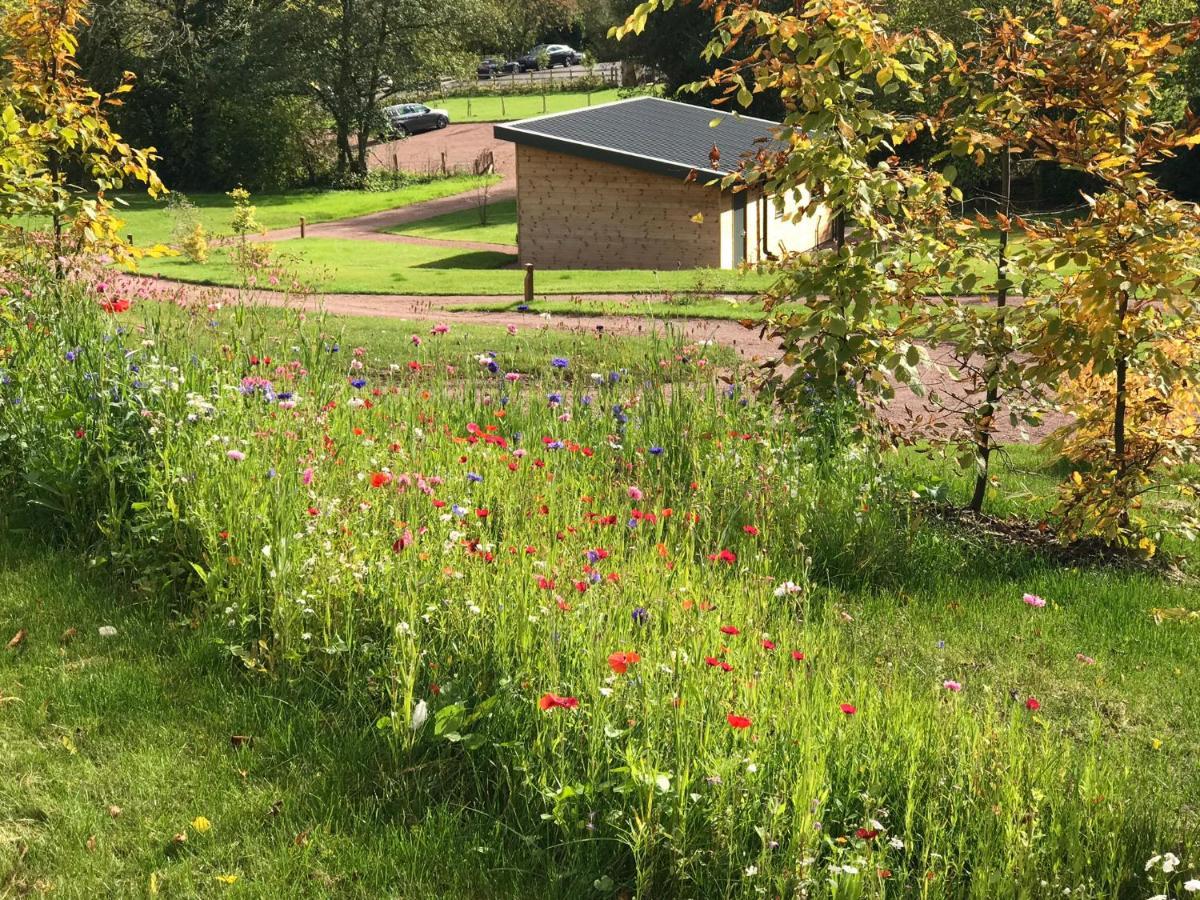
point(586, 399)
point(474, 478)
point(614, 377)
point(284, 395)
point(458, 510)
point(656, 450)
point(559, 362)
point(554, 397)
point(492, 367)
point(271, 472)
point(72, 355)
point(522, 307)
point(632, 523)
point(555, 445)
point(357, 382)
point(641, 615)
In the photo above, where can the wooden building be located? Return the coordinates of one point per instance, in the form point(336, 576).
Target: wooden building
point(630, 185)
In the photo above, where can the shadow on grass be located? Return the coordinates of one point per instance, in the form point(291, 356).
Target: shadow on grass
point(473, 259)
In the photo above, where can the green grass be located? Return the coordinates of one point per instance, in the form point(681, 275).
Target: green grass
point(376, 267)
point(501, 227)
point(502, 107)
point(150, 222)
point(109, 747)
point(433, 536)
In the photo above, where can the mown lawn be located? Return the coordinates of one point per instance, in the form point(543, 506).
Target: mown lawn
point(465, 225)
point(152, 222)
point(375, 267)
point(500, 107)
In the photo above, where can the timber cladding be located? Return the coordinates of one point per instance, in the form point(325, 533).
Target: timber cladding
point(579, 213)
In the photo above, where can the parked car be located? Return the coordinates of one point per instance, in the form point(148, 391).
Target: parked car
point(495, 65)
point(410, 118)
point(552, 55)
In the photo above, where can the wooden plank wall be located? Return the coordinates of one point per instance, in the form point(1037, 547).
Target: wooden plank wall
point(576, 213)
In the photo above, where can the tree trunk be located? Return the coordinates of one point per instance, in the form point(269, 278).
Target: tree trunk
point(1119, 405)
point(992, 397)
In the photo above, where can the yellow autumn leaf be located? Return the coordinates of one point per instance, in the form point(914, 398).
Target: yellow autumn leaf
point(69, 745)
point(1156, 744)
point(698, 218)
point(202, 825)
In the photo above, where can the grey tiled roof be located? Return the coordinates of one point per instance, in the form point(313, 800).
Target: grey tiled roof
point(647, 133)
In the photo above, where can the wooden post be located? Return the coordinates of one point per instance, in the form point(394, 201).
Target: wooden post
point(302, 223)
point(444, 170)
point(543, 102)
point(395, 163)
point(528, 282)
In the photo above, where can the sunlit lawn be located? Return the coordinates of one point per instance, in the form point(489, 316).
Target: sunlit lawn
point(378, 267)
point(499, 227)
point(499, 107)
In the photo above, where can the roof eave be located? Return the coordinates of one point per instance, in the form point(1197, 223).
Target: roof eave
point(603, 154)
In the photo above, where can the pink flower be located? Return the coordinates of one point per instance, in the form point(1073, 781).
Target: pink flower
point(953, 686)
point(635, 492)
point(512, 377)
point(512, 329)
point(306, 477)
point(236, 455)
point(1034, 600)
point(1085, 659)
point(440, 328)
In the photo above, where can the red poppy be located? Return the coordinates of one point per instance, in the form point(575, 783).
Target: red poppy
point(737, 721)
point(768, 645)
point(550, 701)
point(848, 708)
point(381, 479)
point(115, 306)
point(750, 530)
point(482, 513)
point(726, 556)
point(867, 834)
point(718, 663)
point(730, 629)
point(797, 656)
point(1032, 704)
point(620, 661)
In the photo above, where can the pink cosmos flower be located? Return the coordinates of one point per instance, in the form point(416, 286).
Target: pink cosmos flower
point(1034, 600)
point(951, 685)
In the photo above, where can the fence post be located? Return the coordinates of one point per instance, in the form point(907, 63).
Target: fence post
point(528, 282)
point(444, 171)
point(395, 163)
point(302, 224)
point(543, 102)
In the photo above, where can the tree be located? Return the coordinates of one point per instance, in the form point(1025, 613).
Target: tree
point(60, 156)
point(358, 52)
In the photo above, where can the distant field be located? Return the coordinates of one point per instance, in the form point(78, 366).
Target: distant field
point(498, 107)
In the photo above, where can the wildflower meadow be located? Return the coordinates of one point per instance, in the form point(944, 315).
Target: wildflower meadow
point(635, 616)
